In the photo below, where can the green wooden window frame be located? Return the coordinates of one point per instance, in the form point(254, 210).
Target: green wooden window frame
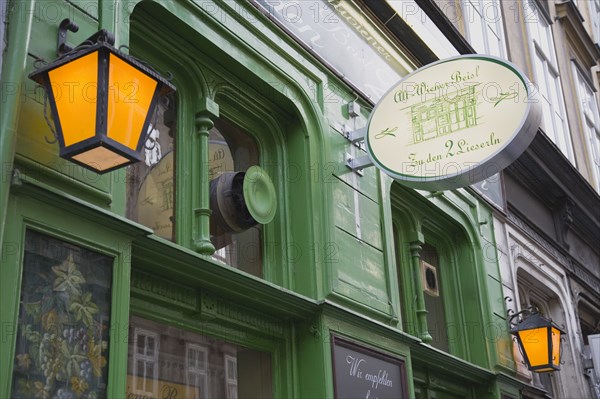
point(445, 225)
point(247, 99)
point(219, 319)
point(448, 277)
point(206, 88)
point(56, 219)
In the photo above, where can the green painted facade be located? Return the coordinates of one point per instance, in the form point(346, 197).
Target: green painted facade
point(342, 256)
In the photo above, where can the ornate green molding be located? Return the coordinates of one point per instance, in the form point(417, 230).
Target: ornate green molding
point(204, 122)
point(415, 254)
point(165, 291)
point(251, 319)
point(209, 306)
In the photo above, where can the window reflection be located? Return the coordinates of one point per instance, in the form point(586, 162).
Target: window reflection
point(167, 362)
point(150, 183)
point(232, 150)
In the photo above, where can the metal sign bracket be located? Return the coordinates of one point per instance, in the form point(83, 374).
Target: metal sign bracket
point(353, 162)
point(357, 139)
point(357, 164)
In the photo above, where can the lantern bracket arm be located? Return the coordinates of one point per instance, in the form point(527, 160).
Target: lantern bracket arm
point(523, 314)
point(105, 37)
point(66, 25)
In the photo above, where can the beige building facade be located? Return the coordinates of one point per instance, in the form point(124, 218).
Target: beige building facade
point(547, 221)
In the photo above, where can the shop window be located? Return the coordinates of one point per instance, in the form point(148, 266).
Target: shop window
point(232, 151)
point(434, 298)
point(430, 283)
point(151, 188)
point(438, 267)
point(64, 320)
point(192, 365)
point(150, 183)
point(228, 122)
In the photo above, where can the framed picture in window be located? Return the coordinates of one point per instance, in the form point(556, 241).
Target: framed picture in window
point(64, 319)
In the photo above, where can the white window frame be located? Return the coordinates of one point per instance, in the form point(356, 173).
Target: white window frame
point(474, 19)
point(595, 19)
point(549, 82)
point(231, 382)
point(228, 255)
point(590, 121)
point(140, 333)
point(195, 371)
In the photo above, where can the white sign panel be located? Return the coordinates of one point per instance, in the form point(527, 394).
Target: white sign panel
point(345, 43)
point(453, 123)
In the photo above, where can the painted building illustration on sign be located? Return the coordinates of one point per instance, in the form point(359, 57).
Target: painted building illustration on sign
point(441, 116)
point(454, 123)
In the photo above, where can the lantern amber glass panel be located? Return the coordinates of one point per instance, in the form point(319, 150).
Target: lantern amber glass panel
point(102, 103)
point(539, 341)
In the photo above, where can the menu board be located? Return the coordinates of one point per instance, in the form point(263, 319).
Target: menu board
point(363, 373)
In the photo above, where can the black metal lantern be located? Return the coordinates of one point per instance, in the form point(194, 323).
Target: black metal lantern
point(101, 101)
point(539, 340)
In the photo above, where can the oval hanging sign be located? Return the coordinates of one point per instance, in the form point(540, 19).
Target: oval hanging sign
point(453, 123)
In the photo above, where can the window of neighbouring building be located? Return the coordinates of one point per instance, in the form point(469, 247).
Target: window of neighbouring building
point(589, 319)
point(547, 78)
point(589, 325)
point(484, 27)
point(181, 364)
point(64, 321)
point(595, 18)
point(590, 121)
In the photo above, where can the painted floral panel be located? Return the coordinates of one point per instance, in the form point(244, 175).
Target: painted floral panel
point(63, 330)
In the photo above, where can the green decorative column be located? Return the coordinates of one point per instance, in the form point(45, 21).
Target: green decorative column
point(415, 254)
point(204, 122)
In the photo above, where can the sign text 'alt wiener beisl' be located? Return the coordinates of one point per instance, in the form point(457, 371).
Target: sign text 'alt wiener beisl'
point(453, 123)
point(437, 88)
